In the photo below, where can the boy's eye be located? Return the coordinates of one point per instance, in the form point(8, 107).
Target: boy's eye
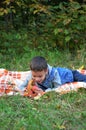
point(34, 76)
point(40, 76)
point(37, 76)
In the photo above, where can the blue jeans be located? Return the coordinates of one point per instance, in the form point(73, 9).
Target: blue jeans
point(77, 76)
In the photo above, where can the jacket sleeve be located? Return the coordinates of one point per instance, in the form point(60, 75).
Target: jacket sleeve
point(56, 80)
point(25, 83)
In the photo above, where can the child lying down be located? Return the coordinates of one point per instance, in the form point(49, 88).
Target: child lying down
point(13, 80)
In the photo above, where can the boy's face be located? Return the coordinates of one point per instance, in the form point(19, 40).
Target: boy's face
point(39, 76)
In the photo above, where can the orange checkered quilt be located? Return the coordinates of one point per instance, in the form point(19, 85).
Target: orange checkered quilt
point(11, 80)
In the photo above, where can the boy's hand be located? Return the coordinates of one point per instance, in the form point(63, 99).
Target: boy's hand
point(37, 90)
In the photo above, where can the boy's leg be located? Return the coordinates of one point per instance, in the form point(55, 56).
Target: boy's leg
point(78, 76)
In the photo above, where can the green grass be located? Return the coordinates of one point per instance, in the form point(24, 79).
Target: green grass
point(52, 111)
point(14, 61)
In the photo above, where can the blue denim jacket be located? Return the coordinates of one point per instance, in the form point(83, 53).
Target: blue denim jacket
point(56, 77)
point(65, 74)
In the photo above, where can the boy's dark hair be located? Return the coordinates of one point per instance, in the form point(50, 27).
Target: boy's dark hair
point(38, 63)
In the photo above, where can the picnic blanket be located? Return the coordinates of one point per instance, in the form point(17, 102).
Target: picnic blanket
point(10, 82)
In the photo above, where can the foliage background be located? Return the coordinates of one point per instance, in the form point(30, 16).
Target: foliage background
point(42, 24)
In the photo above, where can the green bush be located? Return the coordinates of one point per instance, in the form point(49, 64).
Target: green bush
point(68, 25)
point(49, 26)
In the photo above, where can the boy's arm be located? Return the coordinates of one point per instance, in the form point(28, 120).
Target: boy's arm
point(25, 83)
point(56, 80)
point(55, 83)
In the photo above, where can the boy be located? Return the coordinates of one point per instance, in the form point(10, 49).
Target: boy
point(48, 77)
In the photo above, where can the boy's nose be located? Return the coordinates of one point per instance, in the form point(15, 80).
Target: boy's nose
point(37, 79)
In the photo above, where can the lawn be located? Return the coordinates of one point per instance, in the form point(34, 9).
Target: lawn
point(52, 111)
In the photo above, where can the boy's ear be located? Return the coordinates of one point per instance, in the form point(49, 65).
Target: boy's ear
point(46, 71)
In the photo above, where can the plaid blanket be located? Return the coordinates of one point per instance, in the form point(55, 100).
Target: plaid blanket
point(11, 80)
